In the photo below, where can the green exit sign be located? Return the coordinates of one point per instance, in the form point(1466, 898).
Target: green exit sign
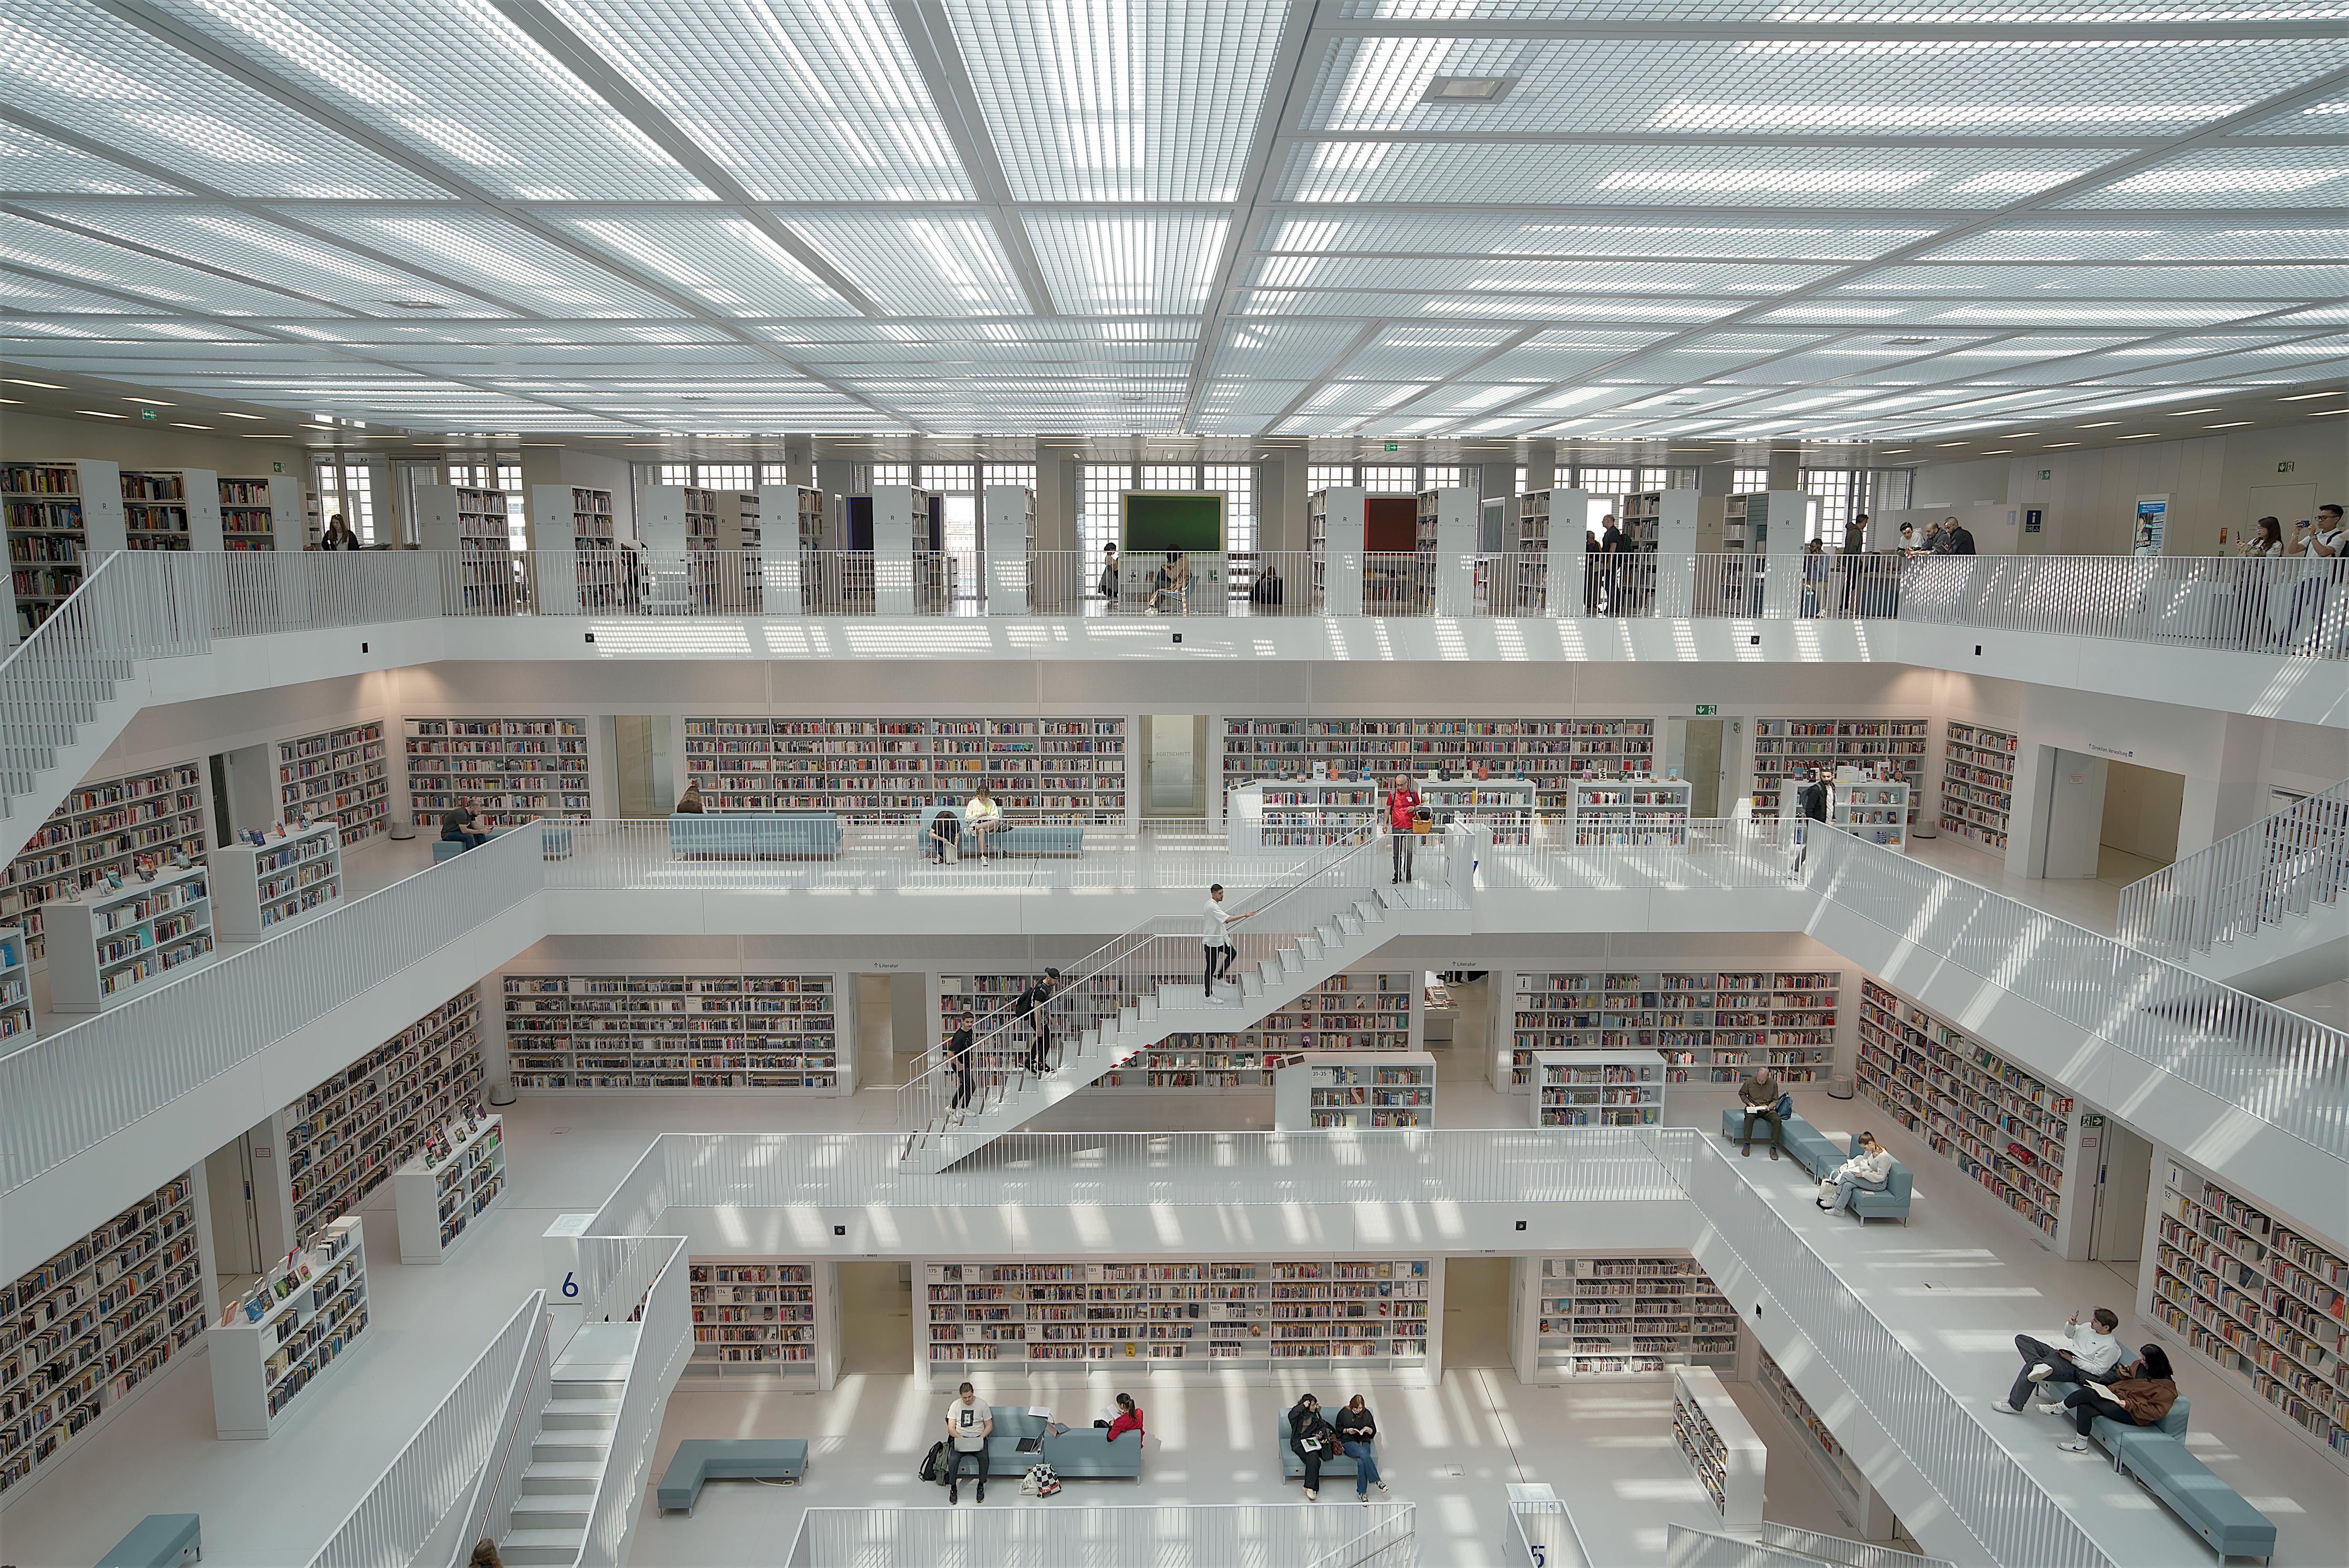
point(1704, 708)
point(2046, 473)
point(277, 468)
point(1391, 446)
point(2286, 467)
point(146, 413)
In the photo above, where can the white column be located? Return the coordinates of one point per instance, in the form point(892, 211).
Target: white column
point(1341, 550)
point(203, 508)
point(779, 549)
point(1781, 543)
point(1676, 548)
point(1571, 515)
point(894, 533)
point(1006, 512)
point(661, 524)
point(1456, 551)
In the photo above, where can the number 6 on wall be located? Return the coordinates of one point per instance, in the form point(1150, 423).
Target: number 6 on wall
point(569, 1286)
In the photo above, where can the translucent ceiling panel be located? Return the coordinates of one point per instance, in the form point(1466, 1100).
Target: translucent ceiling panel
point(38, 295)
point(2330, 117)
point(799, 100)
point(1562, 355)
point(77, 257)
point(721, 259)
point(1520, 277)
point(1475, 307)
point(1120, 100)
point(1277, 348)
point(1429, 353)
point(2026, 282)
point(929, 265)
point(1241, 395)
point(506, 261)
point(133, 92)
point(32, 164)
point(459, 85)
point(1324, 232)
point(2311, 179)
point(1106, 263)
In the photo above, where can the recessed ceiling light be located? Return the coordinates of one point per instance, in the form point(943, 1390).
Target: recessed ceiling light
point(2053, 444)
point(100, 414)
point(1465, 89)
point(232, 414)
point(11, 401)
point(2294, 397)
point(2017, 435)
point(152, 402)
point(2096, 425)
point(20, 381)
point(2181, 413)
point(1998, 452)
point(2229, 425)
point(2320, 413)
point(317, 427)
point(264, 435)
point(1893, 451)
point(2141, 435)
point(178, 426)
point(1945, 444)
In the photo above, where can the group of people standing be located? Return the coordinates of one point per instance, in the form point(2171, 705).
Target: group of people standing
point(2282, 613)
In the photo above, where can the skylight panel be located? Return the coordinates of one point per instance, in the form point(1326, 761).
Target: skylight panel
point(726, 262)
point(31, 164)
point(491, 254)
point(2308, 177)
point(1107, 263)
point(932, 264)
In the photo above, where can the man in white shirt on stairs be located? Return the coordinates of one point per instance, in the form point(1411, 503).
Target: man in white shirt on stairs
point(2089, 1354)
point(1213, 937)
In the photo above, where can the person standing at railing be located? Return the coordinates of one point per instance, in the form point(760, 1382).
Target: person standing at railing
point(1403, 824)
point(1814, 576)
point(958, 1045)
point(2320, 544)
point(339, 535)
point(1952, 538)
point(1268, 589)
point(1033, 1006)
point(1855, 559)
point(1108, 579)
point(1614, 545)
point(1215, 936)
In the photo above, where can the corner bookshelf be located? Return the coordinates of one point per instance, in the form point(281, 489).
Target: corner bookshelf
point(178, 509)
point(711, 1032)
point(1873, 809)
point(513, 769)
point(262, 1365)
point(1719, 1445)
point(1598, 1089)
point(261, 890)
point(1005, 1318)
point(1630, 812)
point(15, 988)
point(2252, 1293)
point(2009, 1132)
point(1784, 748)
point(1847, 1487)
point(762, 1323)
point(110, 942)
point(1620, 1315)
point(99, 828)
point(1552, 752)
point(1316, 1090)
point(340, 773)
point(437, 1200)
point(1977, 782)
point(1710, 1025)
point(349, 1134)
point(59, 514)
point(79, 1334)
point(255, 512)
point(881, 770)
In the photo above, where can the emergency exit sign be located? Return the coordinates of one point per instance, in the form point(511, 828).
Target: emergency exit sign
point(1391, 446)
point(1704, 708)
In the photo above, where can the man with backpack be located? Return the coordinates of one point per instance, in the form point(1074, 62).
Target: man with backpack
point(1033, 1007)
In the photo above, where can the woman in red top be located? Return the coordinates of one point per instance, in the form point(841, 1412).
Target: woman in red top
point(1129, 1418)
point(1403, 802)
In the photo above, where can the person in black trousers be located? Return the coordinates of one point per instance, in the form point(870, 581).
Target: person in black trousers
point(958, 1045)
point(1033, 1006)
point(1311, 1439)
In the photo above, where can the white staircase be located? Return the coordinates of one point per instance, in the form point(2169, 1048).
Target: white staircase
point(572, 1447)
point(2262, 909)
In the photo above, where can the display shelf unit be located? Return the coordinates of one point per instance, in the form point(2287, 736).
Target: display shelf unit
point(99, 828)
point(470, 524)
point(1348, 1013)
point(1874, 809)
point(1598, 1089)
point(1552, 752)
point(59, 514)
point(16, 987)
point(1618, 1316)
point(1710, 1025)
point(513, 769)
point(1783, 748)
point(1317, 1089)
point(459, 1176)
point(1847, 1487)
point(349, 1134)
point(711, 1032)
point(340, 773)
point(2011, 1133)
point(576, 522)
point(883, 770)
point(79, 1334)
point(173, 508)
point(1719, 1445)
point(1630, 813)
point(1311, 813)
point(110, 942)
point(763, 1323)
point(259, 513)
point(1642, 519)
point(261, 890)
point(1003, 1318)
point(1977, 782)
point(262, 1365)
point(2252, 1293)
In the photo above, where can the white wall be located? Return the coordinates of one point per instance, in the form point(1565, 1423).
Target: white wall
point(139, 444)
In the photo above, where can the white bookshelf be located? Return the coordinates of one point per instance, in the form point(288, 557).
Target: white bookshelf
point(341, 773)
point(1003, 1318)
point(1551, 752)
point(310, 1311)
point(1348, 1013)
point(458, 1176)
point(1598, 1089)
point(1616, 1315)
point(172, 509)
point(15, 988)
point(1786, 748)
point(884, 770)
point(577, 523)
point(263, 512)
point(99, 828)
point(1710, 1025)
point(111, 941)
point(718, 1034)
point(1318, 1089)
point(1874, 809)
point(1853, 1498)
point(763, 1322)
point(2250, 1292)
point(1296, 813)
point(59, 515)
point(1633, 812)
point(1977, 782)
point(470, 525)
point(513, 769)
point(1720, 1445)
point(82, 1332)
point(259, 891)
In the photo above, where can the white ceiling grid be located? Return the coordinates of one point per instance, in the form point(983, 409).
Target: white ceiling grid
point(1246, 216)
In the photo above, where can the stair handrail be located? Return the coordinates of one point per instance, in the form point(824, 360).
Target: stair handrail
point(2287, 863)
point(665, 1333)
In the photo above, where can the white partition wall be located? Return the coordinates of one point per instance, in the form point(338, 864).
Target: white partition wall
point(1573, 514)
point(1334, 524)
point(661, 527)
point(1679, 514)
point(1454, 544)
point(1006, 515)
point(900, 517)
point(780, 541)
point(1779, 539)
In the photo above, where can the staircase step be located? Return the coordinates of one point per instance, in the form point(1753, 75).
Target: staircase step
point(1307, 950)
point(1368, 912)
point(553, 1510)
point(1251, 985)
point(1290, 960)
point(561, 1476)
point(538, 1548)
point(570, 1448)
point(579, 1416)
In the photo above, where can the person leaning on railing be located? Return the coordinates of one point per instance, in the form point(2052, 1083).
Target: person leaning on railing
point(339, 535)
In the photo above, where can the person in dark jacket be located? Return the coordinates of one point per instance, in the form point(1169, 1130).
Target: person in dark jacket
point(1814, 797)
point(1269, 586)
point(1034, 1006)
point(339, 535)
point(2139, 1398)
point(1358, 1429)
point(1956, 539)
point(1311, 1439)
point(689, 803)
point(958, 1047)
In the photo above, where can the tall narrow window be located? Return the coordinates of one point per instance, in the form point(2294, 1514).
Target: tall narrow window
point(1236, 483)
point(1323, 475)
point(1833, 486)
point(1390, 479)
point(1097, 507)
point(1604, 481)
point(958, 485)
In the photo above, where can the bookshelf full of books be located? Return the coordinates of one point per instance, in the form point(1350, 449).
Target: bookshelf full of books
point(1786, 748)
point(260, 889)
point(260, 514)
point(340, 773)
point(1551, 752)
point(469, 526)
point(177, 509)
point(999, 1318)
point(575, 524)
point(60, 516)
point(2254, 1294)
point(81, 1332)
point(1720, 1445)
point(459, 1175)
point(1709, 1025)
point(1874, 809)
point(1314, 813)
point(1321, 1089)
point(2015, 1136)
point(111, 941)
point(514, 771)
point(100, 828)
point(1597, 1089)
point(1618, 1316)
point(763, 1323)
point(293, 1328)
point(1070, 770)
point(1630, 813)
point(1847, 1487)
point(726, 1034)
point(15, 988)
point(1977, 782)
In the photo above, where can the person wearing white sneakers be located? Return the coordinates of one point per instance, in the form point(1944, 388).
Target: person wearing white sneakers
point(1219, 951)
point(1358, 1430)
point(2091, 1355)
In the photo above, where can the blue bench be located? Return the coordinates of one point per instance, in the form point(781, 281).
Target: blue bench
point(555, 841)
point(1892, 1203)
point(1338, 1463)
point(754, 835)
point(2156, 1456)
point(1035, 838)
point(159, 1540)
point(699, 1459)
point(1084, 1451)
point(1812, 1148)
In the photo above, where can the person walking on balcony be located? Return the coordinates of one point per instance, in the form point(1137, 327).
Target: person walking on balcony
point(968, 1424)
point(1034, 1007)
point(1402, 824)
point(1854, 558)
point(1810, 815)
point(1109, 581)
point(958, 1047)
point(1215, 929)
point(1757, 1096)
point(2088, 1355)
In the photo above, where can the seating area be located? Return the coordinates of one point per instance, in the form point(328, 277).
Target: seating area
point(1818, 1154)
point(701, 1460)
point(159, 1540)
point(1025, 838)
point(1079, 1453)
point(754, 835)
point(2156, 1457)
point(555, 836)
point(1292, 1468)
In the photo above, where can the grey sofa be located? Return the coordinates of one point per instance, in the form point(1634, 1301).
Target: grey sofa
point(1078, 1453)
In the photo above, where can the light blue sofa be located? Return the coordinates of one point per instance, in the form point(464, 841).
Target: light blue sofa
point(1023, 838)
point(1812, 1148)
point(1079, 1453)
point(699, 1459)
point(2156, 1456)
point(158, 1541)
point(555, 840)
point(1338, 1463)
point(754, 835)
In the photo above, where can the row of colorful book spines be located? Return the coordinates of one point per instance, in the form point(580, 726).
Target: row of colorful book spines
point(762, 729)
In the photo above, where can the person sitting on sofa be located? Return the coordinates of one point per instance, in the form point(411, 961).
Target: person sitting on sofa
point(689, 803)
point(982, 819)
point(1757, 1096)
point(1869, 1170)
point(2091, 1356)
point(1125, 1416)
point(946, 833)
point(1357, 1430)
point(1311, 1439)
point(968, 1424)
point(461, 825)
point(2140, 1399)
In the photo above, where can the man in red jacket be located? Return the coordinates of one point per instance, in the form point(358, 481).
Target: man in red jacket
point(1402, 803)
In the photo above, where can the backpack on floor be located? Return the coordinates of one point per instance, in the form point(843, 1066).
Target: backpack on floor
point(930, 1466)
point(1039, 1482)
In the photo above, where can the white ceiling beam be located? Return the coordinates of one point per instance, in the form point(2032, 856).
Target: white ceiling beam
point(1909, 31)
point(1370, 334)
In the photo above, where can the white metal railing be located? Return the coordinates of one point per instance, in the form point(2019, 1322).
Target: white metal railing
point(2291, 605)
point(490, 1513)
point(1688, 1548)
point(440, 1467)
point(1547, 1535)
point(2287, 1070)
point(664, 1340)
point(1095, 1535)
point(1705, 852)
point(65, 1094)
point(2291, 863)
point(613, 1275)
point(1849, 1553)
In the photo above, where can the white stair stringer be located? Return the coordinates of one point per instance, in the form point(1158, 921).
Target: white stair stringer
point(1339, 944)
